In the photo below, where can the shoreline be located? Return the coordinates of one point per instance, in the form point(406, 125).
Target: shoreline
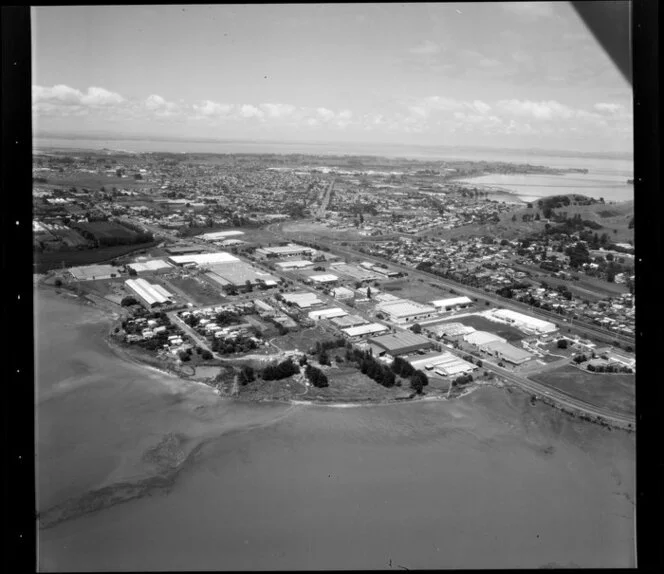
point(140, 359)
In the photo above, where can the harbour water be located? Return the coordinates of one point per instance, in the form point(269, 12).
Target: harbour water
point(141, 471)
point(611, 185)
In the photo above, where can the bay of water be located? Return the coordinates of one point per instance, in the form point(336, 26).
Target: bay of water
point(603, 183)
point(480, 482)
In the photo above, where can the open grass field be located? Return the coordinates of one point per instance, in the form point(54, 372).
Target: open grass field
point(101, 230)
point(46, 261)
point(349, 384)
point(105, 288)
point(613, 391)
point(272, 390)
point(507, 332)
point(420, 291)
point(302, 340)
point(307, 230)
point(199, 293)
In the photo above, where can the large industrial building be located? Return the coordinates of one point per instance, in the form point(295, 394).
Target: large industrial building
point(203, 258)
point(404, 311)
point(219, 235)
point(449, 329)
point(452, 303)
point(290, 250)
point(149, 266)
point(507, 352)
point(151, 294)
point(343, 293)
point(294, 264)
point(324, 278)
point(354, 272)
point(348, 321)
point(302, 300)
point(238, 272)
point(327, 313)
point(364, 330)
point(482, 338)
point(401, 343)
point(445, 364)
point(526, 323)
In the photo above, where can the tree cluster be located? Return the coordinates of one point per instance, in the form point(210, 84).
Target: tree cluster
point(246, 375)
point(316, 377)
point(462, 380)
point(418, 380)
point(230, 346)
point(369, 366)
point(280, 371)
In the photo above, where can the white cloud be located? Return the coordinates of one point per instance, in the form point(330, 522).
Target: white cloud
point(539, 110)
point(101, 97)
point(160, 107)
point(427, 47)
point(67, 96)
point(208, 109)
point(249, 111)
point(325, 114)
point(609, 108)
point(481, 107)
point(277, 110)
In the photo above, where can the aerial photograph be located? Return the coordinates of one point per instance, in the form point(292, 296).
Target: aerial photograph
point(331, 287)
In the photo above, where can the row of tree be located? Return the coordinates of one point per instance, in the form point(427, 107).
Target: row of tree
point(609, 368)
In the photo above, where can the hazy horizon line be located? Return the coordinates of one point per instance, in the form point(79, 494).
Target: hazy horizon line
point(114, 136)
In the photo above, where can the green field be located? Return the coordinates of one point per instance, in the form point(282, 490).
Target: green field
point(46, 261)
point(200, 294)
point(421, 292)
point(613, 391)
point(284, 389)
point(347, 384)
point(302, 340)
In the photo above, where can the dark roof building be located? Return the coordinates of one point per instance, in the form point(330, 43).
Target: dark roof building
point(401, 343)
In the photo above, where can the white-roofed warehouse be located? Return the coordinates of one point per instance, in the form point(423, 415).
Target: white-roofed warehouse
point(521, 321)
point(203, 258)
point(327, 313)
point(480, 338)
point(151, 295)
point(451, 303)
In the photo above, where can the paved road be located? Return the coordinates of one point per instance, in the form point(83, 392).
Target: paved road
point(193, 335)
point(327, 194)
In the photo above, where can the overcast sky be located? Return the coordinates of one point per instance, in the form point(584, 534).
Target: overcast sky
point(503, 74)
